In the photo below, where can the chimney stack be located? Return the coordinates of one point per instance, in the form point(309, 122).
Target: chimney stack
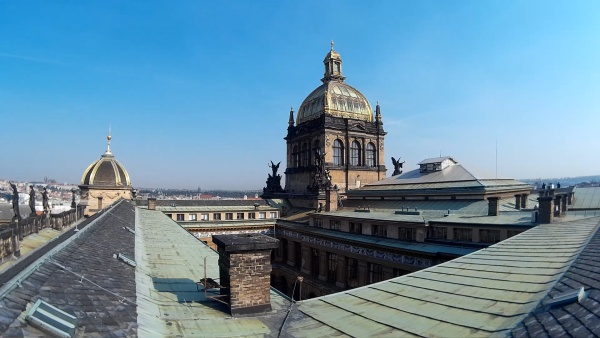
point(546, 211)
point(245, 271)
point(493, 206)
point(151, 203)
point(518, 201)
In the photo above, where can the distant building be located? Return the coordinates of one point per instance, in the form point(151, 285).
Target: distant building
point(104, 182)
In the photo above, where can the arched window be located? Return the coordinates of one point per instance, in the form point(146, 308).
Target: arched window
point(370, 155)
point(355, 153)
point(316, 145)
point(295, 157)
point(305, 154)
point(338, 152)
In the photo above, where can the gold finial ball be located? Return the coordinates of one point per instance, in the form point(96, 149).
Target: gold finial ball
point(331, 44)
point(108, 137)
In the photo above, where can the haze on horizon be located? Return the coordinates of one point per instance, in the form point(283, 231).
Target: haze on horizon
point(198, 94)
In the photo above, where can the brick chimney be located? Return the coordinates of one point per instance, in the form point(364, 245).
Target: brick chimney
point(546, 209)
point(518, 201)
point(151, 203)
point(493, 206)
point(245, 271)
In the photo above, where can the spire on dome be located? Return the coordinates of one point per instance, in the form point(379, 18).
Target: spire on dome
point(291, 120)
point(333, 66)
point(377, 113)
point(108, 138)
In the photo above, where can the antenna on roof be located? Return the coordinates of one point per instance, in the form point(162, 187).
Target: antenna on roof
point(496, 159)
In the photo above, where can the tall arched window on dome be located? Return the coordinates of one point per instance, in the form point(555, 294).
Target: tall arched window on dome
point(305, 154)
point(355, 153)
point(370, 160)
point(338, 152)
point(295, 157)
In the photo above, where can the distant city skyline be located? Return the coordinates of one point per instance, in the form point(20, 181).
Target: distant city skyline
point(198, 94)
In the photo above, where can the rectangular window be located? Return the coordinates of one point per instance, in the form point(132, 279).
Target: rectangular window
point(240, 215)
point(375, 273)
point(489, 236)
point(335, 225)
point(204, 217)
point(379, 230)
point(297, 255)
point(314, 261)
point(262, 215)
point(352, 272)
point(169, 215)
point(180, 217)
point(193, 217)
point(438, 232)
point(251, 215)
point(407, 234)
point(332, 262)
point(356, 228)
point(318, 222)
point(461, 234)
point(273, 215)
point(217, 216)
point(228, 216)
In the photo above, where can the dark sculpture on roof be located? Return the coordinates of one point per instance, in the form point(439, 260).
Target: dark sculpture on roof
point(397, 166)
point(273, 181)
point(321, 176)
point(15, 202)
point(45, 200)
point(32, 199)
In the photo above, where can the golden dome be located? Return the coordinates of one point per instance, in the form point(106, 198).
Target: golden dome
point(334, 97)
point(106, 171)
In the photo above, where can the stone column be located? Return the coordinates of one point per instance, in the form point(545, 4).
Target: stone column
point(245, 271)
point(341, 271)
point(517, 202)
point(323, 266)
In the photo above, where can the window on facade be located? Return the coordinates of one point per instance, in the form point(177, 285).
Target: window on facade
point(262, 215)
point(375, 273)
point(351, 272)
point(284, 249)
point(314, 261)
point(204, 217)
point(180, 217)
point(295, 157)
point(273, 214)
point(335, 225)
point(297, 255)
point(489, 236)
point(438, 232)
point(193, 217)
point(318, 222)
point(379, 230)
point(356, 228)
point(169, 215)
point(239, 215)
point(461, 234)
point(355, 153)
point(251, 215)
point(332, 262)
point(407, 234)
point(229, 216)
point(305, 155)
point(510, 233)
point(370, 155)
point(217, 216)
point(338, 152)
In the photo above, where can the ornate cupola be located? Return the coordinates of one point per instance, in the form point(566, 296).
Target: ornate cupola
point(104, 182)
point(336, 142)
point(333, 66)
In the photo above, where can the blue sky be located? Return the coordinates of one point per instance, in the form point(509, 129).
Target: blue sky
point(198, 93)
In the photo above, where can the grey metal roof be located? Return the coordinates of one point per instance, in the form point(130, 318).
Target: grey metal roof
point(83, 279)
point(215, 208)
point(485, 293)
point(587, 198)
point(374, 216)
point(512, 219)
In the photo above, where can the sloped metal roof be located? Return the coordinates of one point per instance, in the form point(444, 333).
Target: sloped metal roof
point(436, 160)
point(485, 293)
